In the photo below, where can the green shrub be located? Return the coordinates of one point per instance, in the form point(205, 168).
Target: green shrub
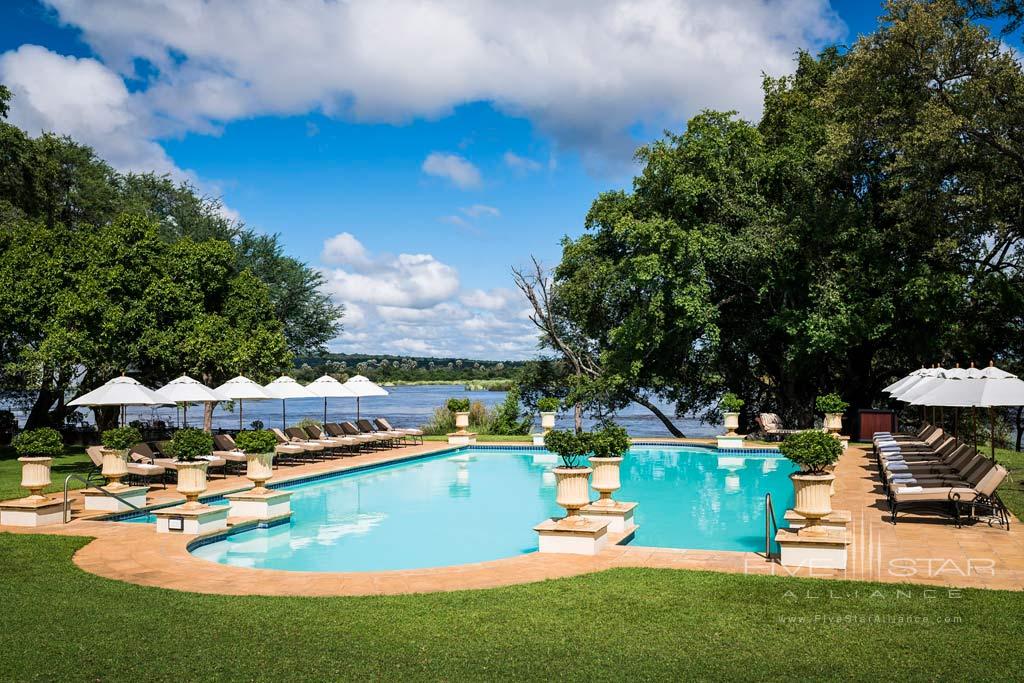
point(442, 422)
point(256, 441)
point(8, 422)
point(458, 405)
point(120, 438)
point(506, 418)
point(37, 442)
point(570, 446)
point(611, 441)
point(831, 403)
point(308, 422)
point(812, 450)
point(256, 425)
point(189, 444)
point(548, 404)
point(731, 403)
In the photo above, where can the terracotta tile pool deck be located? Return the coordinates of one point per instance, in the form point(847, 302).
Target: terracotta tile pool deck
point(921, 550)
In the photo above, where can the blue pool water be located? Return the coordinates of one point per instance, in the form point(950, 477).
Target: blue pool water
point(476, 505)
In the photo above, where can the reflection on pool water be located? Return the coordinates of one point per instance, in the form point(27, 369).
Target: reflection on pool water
point(476, 505)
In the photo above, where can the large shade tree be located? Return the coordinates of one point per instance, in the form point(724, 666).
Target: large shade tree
point(103, 273)
point(870, 222)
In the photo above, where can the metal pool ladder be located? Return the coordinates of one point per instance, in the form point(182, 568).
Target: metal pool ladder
point(769, 527)
point(88, 483)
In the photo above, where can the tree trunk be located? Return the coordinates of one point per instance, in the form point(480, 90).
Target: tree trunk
point(661, 416)
point(106, 417)
point(208, 417)
point(578, 417)
point(39, 415)
point(1020, 425)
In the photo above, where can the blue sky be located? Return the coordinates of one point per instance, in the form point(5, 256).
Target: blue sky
point(414, 152)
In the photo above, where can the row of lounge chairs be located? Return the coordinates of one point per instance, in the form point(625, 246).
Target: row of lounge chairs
point(932, 472)
point(151, 461)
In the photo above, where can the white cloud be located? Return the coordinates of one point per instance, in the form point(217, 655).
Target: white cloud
point(411, 303)
point(583, 72)
point(520, 164)
point(409, 280)
point(86, 100)
point(457, 221)
point(478, 210)
point(457, 169)
point(345, 250)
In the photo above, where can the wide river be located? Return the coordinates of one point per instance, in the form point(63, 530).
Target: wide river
point(406, 406)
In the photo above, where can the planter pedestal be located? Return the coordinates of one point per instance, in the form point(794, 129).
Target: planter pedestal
point(461, 438)
point(731, 441)
point(824, 549)
point(835, 520)
point(574, 535)
point(191, 520)
point(619, 515)
point(97, 501)
point(538, 439)
point(260, 504)
point(31, 512)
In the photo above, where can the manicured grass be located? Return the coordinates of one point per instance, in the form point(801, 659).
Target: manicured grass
point(61, 623)
point(74, 460)
point(1012, 490)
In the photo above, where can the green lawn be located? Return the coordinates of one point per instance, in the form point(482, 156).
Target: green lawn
point(61, 623)
point(1012, 490)
point(74, 460)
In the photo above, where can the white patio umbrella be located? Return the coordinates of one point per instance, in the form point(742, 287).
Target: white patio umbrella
point(361, 386)
point(924, 381)
point(988, 388)
point(327, 387)
point(903, 382)
point(285, 387)
point(242, 389)
point(186, 390)
point(121, 391)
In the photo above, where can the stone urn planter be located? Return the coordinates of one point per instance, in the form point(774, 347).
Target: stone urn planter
point(606, 479)
point(462, 420)
point(35, 475)
point(547, 421)
point(833, 422)
point(259, 468)
point(813, 496)
point(732, 423)
point(192, 480)
point(572, 488)
point(115, 466)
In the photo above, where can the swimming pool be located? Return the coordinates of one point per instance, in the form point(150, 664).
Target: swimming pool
point(479, 504)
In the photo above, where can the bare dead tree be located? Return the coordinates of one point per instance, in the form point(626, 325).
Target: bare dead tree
point(538, 289)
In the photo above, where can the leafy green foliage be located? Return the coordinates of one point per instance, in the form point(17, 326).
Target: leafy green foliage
point(548, 404)
point(731, 403)
point(570, 446)
point(831, 403)
point(190, 444)
point(120, 438)
point(256, 441)
point(507, 417)
point(37, 442)
point(812, 450)
point(867, 224)
point(611, 441)
point(458, 405)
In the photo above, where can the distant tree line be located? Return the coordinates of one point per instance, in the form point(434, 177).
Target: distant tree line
point(389, 368)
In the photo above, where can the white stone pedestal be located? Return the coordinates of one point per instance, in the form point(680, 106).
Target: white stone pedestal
point(538, 439)
point(31, 512)
point(97, 501)
point(734, 441)
point(574, 535)
point(619, 515)
point(824, 550)
point(544, 458)
point(838, 519)
point(265, 504)
point(461, 438)
point(191, 521)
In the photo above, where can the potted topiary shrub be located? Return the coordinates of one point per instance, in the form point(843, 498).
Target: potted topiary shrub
point(35, 449)
point(258, 446)
point(815, 452)
point(573, 475)
point(460, 408)
point(833, 407)
point(731, 405)
point(188, 448)
point(548, 407)
point(116, 443)
point(608, 446)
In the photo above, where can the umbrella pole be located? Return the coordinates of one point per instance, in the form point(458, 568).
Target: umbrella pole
point(992, 421)
point(184, 414)
point(325, 410)
point(284, 418)
point(357, 408)
point(956, 424)
point(239, 414)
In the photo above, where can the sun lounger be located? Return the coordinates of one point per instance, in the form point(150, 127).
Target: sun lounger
point(160, 448)
point(391, 437)
point(348, 443)
point(311, 448)
point(416, 435)
point(771, 424)
point(370, 439)
point(958, 502)
point(138, 470)
point(224, 445)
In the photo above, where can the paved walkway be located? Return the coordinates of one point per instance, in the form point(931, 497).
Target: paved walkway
point(918, 550)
